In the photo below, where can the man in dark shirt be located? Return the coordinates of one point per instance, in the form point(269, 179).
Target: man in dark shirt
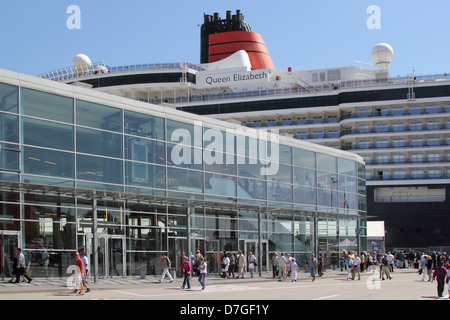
point(440, 273)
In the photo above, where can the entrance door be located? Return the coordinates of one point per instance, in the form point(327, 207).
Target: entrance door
point(252, 246)
point(111, 255)
point(9, 242)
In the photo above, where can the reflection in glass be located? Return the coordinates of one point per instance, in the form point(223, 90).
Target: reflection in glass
point(145, 150)
point(47, 134)
point(220, 185)
point(144, 125)
point(99, 116)
point(9, 127)
point(45, 105)
point(9, 98)
point(101, 143)
point(48, 163)
point(145, 175)
point(99, 169)
point(185, 180)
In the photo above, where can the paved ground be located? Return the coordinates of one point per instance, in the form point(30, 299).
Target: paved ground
point(405, 285)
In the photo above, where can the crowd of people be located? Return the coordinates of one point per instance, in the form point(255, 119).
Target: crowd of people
point(432, 266)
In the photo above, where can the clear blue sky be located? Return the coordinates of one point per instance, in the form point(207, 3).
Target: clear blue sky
point(298, 33)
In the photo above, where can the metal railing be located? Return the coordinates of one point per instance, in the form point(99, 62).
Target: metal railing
point(96, 68)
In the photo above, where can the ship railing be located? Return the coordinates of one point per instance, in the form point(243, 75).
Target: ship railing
point(72, 72)
point(307, 89)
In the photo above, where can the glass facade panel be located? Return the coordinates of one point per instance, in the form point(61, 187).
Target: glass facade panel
point(326, 162)
point(99, 116)
point(304, 158)
point(347, 167)
point(9, 128)
point(184, 133)
point(9, 98)
point(145, 150)
point(184, 156)
point(47, 134)
point(305, 195)
point(220, 185)
point(9, 160)
point(185, 180)
point(143, 125)
point(249, 167)
point(45, 105)
point(227, 167)
point(99, 169)
point(252, 189)
point(145, 175)
point(305, 177)
point(48, 163)
point(97, 142)
point(279, 192)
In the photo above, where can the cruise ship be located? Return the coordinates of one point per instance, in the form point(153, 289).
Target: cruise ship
point(399, 125)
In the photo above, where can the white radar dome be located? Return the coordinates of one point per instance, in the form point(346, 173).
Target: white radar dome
point(81, 63)
point(382, 55)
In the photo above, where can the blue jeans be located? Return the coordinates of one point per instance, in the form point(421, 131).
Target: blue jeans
point(187, 281)
point(313, 272)
point(202, 279)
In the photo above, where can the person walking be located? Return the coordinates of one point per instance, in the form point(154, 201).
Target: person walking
point(86, 268)
point(20, 271)
point(225, 266)
point(342, 261)
point(430, 268)
point(252, 264)
point(424, 259)
point(313, 266)
point(390, 258)
point(349, 267)
point(294, 268)
point(282, 266)
point(202, 275)
point(275, 265)
point(186, 269)
point(320, 264)
point(385, 268)
point(232, 266)
point(241, 265)
point(79, 273)
point(356, 267)
point(165, 264)
point(440, 274)
point(198, 259)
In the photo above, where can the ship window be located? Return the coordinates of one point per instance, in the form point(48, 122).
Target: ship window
point(415, 110)
point(334, 75)
point(432, 109)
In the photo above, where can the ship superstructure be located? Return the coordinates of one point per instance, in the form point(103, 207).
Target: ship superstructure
point(400, 125)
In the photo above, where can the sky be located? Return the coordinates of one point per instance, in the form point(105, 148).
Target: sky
point(36, 37)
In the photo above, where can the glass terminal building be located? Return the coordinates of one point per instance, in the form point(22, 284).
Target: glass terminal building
point(125, 180)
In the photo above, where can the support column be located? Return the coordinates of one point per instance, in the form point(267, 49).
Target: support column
point(259, 244)
point(95, 238)
point(188, 225)
point(316, 236)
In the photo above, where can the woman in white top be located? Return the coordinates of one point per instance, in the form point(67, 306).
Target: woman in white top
point(226, 264)
point(202, 275)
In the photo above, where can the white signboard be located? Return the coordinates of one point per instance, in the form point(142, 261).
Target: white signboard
point(213, 79)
